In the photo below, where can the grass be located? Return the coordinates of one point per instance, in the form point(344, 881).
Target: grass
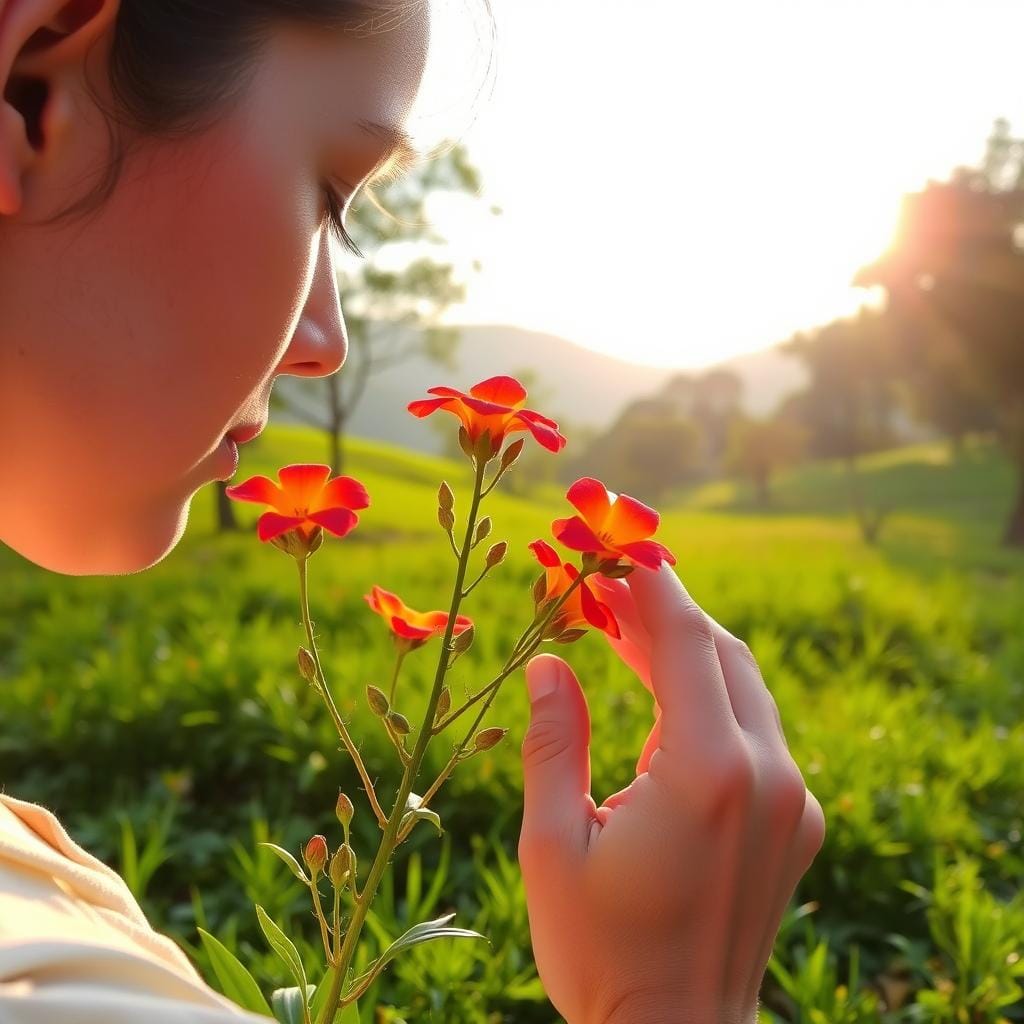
point(161, 716)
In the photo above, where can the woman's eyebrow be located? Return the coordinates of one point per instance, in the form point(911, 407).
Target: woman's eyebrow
point(399, 148)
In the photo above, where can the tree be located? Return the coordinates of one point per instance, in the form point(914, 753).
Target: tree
point(759, 448)
point(648, 450)
point(848, 404)
point(391, 314)
point(954, 279)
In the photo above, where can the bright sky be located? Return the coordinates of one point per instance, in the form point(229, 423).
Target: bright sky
point(684, 181)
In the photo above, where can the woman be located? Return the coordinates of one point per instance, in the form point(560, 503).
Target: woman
point(169, 173)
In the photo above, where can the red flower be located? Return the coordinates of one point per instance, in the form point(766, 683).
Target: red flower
point(410, 626)
point(583, 608)
point(495, 407)
point(304, 500)
point(612, 526)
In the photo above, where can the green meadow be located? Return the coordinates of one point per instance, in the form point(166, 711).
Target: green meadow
point(162, 718)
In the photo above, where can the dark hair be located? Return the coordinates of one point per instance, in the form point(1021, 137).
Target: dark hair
point(176, 65)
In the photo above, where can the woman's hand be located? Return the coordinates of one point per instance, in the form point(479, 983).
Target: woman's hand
point(661, 906)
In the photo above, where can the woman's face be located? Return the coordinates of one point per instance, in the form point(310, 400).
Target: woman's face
point(131, 342)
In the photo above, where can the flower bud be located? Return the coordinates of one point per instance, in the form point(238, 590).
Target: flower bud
point(344, 810)
point(446, 517)
point(399, 723)
point(343, 865)
point(315, 855)
point(378, 702)
point(445, 497)
point(511, 454)
point(444, 703)
point(569, 636)
point(463, 642)
point(464, 442)
point(487, 738)
point(496, 554)
point(307, 666)
point(483, 528)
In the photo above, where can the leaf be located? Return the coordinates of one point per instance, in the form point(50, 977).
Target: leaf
point(422, 814)
point(289, 860)
point(284, 948)
point(424, 932)
point(289, 1006)
point(235, 981)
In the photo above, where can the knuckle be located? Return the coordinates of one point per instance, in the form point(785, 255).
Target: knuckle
point(787, 795)
point(543, 742)
point(736, 776)
point(812, 828)
point(742, 650)
point(690, 621)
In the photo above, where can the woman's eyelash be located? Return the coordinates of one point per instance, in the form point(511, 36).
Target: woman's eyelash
point(337, 225)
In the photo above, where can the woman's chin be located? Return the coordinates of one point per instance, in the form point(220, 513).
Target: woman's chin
point(112, 548)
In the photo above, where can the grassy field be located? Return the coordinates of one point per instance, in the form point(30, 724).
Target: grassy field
point(162, 718)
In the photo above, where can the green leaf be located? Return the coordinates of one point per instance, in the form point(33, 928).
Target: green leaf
point(289, 860)
point(285, 949)
point(235, 981)
point(289, 1005)
point(422, 814)
point(423, 932)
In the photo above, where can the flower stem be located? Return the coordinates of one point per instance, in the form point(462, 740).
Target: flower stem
point(389, 839)
point(323, 921)
point(329, 700)
point(515, 659)
point(394, 676)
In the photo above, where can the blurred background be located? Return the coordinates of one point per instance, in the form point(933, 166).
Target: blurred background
point(764, 265)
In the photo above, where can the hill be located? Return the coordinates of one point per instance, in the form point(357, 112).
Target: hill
point(574, 385)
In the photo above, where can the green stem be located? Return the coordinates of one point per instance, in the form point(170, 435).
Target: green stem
point(320, 917)
point(514, 660)
point(329, 700)
point(402, 652)
point(388, 840)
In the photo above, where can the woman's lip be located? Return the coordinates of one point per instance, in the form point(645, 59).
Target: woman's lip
point(227, 454)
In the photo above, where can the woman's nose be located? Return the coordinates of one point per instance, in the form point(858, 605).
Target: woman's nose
point(319, 344)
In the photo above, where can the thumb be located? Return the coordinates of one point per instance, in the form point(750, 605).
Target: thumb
point(556, 758)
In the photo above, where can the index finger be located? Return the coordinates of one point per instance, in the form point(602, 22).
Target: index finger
point(685, 671)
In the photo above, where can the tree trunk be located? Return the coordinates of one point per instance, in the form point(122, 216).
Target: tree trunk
point(762, 484)
point(1014, 536)
point(225, 509)
point(336, 424)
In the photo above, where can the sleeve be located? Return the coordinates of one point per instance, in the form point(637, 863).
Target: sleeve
point(57, 982)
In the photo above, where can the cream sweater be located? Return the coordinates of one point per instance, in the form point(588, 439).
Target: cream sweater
point(75, 947)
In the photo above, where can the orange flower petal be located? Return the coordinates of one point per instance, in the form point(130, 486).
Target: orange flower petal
point(501, 390)
point(462, 623)
point(590, 498)
point(591, 607)
point(384, 602)
point(546, 436)
point(545, 553)
point(411, 632)
point(425, 406)
point(576, 534)
point(338, 521)
point(260, 489)
point(303, 482)
point(648, 553)
point(630, 520)
point(344, 491)
point(611, 626)
point(273, 524)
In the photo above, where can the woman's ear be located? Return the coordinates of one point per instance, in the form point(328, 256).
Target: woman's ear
point(43, 50)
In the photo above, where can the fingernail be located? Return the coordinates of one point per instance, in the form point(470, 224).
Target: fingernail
point(542, 679)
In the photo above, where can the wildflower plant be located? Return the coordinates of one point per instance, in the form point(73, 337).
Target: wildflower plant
point(611, 535)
